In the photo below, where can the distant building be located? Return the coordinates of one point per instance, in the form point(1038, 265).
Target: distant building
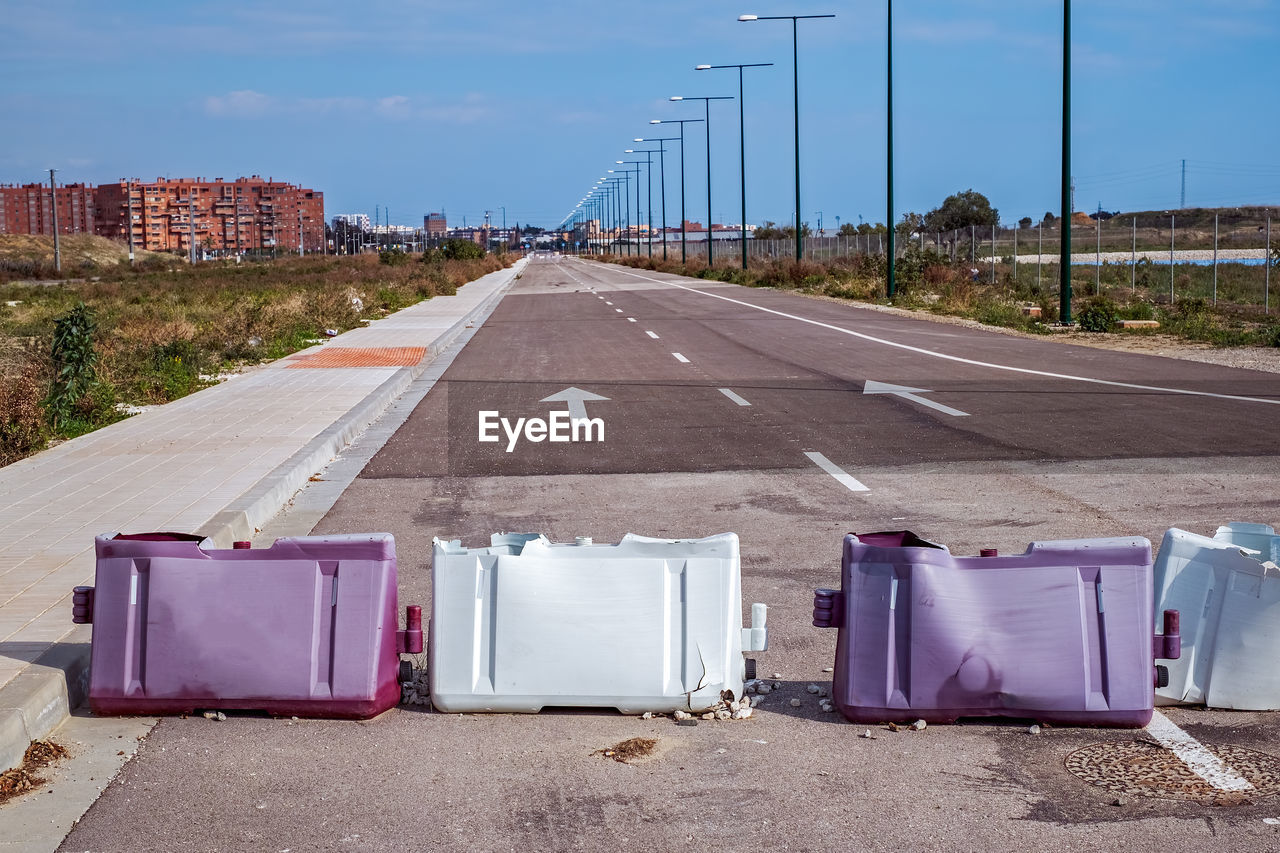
point(355, 220)
point(27, 209)
point(435, 225)
point(247, 214)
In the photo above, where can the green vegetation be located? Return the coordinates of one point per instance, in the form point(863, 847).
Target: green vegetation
point(72, 351)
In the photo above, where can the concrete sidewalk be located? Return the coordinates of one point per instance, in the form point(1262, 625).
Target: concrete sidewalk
point(220, 462)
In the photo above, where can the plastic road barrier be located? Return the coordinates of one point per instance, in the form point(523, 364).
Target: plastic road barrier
point(643, 625)
point(306, 627)
point(1228, 589)
point(1062, 633)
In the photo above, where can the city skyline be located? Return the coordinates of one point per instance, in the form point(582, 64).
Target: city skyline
point(417, 107)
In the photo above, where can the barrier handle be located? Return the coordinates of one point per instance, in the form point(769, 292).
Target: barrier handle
point(828, 608)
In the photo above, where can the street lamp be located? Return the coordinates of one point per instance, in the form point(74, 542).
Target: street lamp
point(648, 178)
point(638, 164)
point(742, 144)
point(662, 179)
point(626, 201)
point(706, 104)
point(795, 65)
point(614, 189)
point(683, 219)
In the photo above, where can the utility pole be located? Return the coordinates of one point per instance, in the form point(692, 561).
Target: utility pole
point(300, 241)
point(1068, 185)
point(129, 216)
point(53, 203)
point(191, 225)
point(1182, 202)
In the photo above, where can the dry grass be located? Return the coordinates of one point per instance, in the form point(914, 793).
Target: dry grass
point(164, 331)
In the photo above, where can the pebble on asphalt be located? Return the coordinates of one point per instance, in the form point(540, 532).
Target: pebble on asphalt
point(1033, 730)
point(919, 725)
point(795, 703)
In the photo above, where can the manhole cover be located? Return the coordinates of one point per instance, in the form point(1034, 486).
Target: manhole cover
point(1146, 769)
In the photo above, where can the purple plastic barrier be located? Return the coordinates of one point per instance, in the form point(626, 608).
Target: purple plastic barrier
point(1061, 634)
point(306, 627)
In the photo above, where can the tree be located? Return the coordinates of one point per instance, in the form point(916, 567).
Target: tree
point(1049, 218)
point(770, 231)
point(910, 224)
point(962, 210)
point(1025, 222)
point(847, 229)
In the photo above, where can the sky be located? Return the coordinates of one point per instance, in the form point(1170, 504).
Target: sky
point(416, 106)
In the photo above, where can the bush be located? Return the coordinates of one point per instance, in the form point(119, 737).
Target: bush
point(75, 363)
point(454, 249)
point(1098, 314)
point(23, 425)
point(392, 257)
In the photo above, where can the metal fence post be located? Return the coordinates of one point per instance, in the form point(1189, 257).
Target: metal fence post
point(1015, 254)
point(1133, 259)
point(1039, 250)
point(1215, 259)
point(1173, 230)
point(1097, 255)
point(1266, 262)
point(993, 253)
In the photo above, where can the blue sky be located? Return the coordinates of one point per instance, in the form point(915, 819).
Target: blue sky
point(419, 105)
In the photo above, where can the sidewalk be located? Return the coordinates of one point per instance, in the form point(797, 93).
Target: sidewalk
point(220, 463)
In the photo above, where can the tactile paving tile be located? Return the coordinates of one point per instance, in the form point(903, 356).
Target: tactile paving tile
point(362, 357)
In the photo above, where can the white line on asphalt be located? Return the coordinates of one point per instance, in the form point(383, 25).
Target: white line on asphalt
point(606, 301)
point(1202, 762)
point(734, 397)
point(1026, 370)
point(631, 319)
point(619, 310)
point(653, 335)
point(834, 470)
point(679, 357)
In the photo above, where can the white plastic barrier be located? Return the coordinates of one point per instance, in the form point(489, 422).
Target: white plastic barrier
point(644, 625)
point(1228, 591)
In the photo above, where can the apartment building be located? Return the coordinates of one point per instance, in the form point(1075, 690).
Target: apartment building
point(247, 214)
point(28, 209)
point(435, 225)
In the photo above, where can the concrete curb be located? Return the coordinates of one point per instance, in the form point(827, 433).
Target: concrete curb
point(41, 698)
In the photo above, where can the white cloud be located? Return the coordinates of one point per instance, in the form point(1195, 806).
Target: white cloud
point(244, 103)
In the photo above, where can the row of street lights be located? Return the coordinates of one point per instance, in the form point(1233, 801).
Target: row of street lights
point(594, 202)
point(1065, 251)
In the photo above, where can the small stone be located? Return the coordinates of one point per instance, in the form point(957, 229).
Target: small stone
point(866, 734)
point(295, 719)
point(721, 751)
point(222, 717)
point(723, 714)
point(796, 703)
point(211, 715)
point(777, 675)
point(919, 725)
point(777, 685)
point(1119, 801)
point(742, 713)
point(710, 715)
point(647, 715)
point(827, 705)
point(822, 691)
point(683, 715)
point(750, 687)
point(813, 688)
point(1033, 730)
point(261, 806)
point(764, 689)
point(828, 669)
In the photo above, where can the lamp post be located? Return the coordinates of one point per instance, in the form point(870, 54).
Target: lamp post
point(626, 202)
point(890, 284)
point(795, 63)
point(683, 235)
point(742, 143)
point(1064, 252)
point(662, 180)
point(637, 164)
point(615, 190)
point(648, 177)
point(706, 105)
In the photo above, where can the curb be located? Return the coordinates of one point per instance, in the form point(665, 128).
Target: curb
point(42, 697)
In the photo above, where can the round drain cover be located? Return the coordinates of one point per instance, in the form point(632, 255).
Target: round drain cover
point(1146, 769)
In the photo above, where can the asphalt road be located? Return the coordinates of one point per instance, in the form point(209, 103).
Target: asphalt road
point(1108, 444)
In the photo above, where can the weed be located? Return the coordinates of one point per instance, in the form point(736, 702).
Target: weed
point(1098, 314)
point(75, 363)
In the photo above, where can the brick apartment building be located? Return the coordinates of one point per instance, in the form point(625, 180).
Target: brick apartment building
point(435, 225)
point(247, 214)
point(26, 209)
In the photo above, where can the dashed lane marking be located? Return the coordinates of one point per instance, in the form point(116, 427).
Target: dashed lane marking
point(680, 358)
point(734, 397)
point(631, 319)
point(653, 335)
point(841, 476)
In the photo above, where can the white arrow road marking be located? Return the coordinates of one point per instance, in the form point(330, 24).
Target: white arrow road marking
point(834, 470)
point(576, 398)
point(911, 394)
point(1202, 762)
point(653, 335)
point(734, 397)
point(1027, 371)
point(680, 358)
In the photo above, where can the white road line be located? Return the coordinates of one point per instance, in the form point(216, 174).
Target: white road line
point(734, 397)
point(653, 335)
point(944, 356)
point(834, 470)
point(1202, 762)
point(631, 319)
point(679, 357)
point(619, 310)
point(606, 301)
